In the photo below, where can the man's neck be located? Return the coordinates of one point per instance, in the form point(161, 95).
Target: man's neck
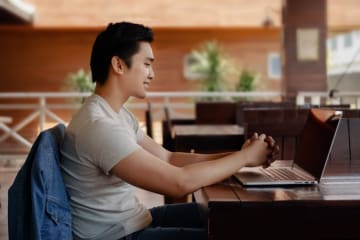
point(114, 98)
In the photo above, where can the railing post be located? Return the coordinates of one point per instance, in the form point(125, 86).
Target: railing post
point(42, 110)
point(167, 103)
point(357, 102)
point(316, 100)
point(300, 99)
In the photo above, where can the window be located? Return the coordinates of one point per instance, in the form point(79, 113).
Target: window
point(348, 40)
point(274, 66)
point(189, 73)
point(333, 44)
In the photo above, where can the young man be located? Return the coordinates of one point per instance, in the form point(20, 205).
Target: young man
point(105, 152)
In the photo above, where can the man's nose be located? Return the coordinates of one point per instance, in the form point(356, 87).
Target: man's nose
point(151, 74)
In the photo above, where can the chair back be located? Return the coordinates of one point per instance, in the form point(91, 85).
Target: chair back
point(39, 205)
point(240, 106)
point(148, 120)
point(284, 125)
point(215, 112)
point(351, 113)
point(167, 125)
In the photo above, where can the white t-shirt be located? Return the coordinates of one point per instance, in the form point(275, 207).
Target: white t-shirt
point(103, 205)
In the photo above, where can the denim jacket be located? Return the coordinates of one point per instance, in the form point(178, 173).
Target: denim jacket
point(38, 206)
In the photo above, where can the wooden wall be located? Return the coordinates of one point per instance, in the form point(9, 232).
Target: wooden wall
point(38, 59)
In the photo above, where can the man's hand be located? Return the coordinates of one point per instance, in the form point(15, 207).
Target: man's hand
point(271, 152)
point(275, 151)
point(249, 140)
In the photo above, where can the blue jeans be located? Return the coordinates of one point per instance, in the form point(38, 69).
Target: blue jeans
point(174, 222)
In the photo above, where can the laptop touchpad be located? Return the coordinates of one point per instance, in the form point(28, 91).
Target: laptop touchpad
point(248, 175)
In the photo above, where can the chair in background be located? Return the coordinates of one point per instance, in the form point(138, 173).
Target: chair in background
point(39, 206)
point(241, 105)
point(167, 124)
point(215, 112)
point(336, 106)
point(284, 125)
point(351, 113)
point(148, 120)
point(169, 143)
point(167, 139)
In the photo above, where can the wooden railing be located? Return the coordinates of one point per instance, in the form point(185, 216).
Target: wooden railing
point(43, 109)
point(321, 98)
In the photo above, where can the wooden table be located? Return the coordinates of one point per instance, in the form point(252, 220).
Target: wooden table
point(207, 138)
point(330, 210)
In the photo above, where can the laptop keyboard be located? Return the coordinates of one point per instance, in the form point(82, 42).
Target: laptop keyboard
point(282, 174)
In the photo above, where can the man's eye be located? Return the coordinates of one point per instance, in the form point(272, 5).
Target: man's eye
point(147, 64)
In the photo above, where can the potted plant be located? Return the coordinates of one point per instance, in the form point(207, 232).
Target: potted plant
point(79, 81)
point(247, 81)
point(212, 66)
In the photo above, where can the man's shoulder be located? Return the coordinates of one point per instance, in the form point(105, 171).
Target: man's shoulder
point(92, 112)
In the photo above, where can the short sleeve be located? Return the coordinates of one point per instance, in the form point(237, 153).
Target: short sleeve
point(139, 135)
point(107, 143)
point(133, 121)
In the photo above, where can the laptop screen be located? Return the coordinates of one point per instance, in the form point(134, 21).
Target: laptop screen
point(344, 159)
point(315, 141)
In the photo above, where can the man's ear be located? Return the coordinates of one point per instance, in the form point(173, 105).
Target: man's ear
point(118, 65)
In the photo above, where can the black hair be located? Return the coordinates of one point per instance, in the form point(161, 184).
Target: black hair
point(118, 39)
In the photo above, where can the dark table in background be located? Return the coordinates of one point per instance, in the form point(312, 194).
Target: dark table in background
point(208, 138)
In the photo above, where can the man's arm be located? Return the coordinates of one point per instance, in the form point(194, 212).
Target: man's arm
point(148, 171)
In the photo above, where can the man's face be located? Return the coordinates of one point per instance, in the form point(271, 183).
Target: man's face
point(140, 74)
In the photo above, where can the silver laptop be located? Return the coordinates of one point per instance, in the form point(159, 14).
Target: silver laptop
point(311, 155)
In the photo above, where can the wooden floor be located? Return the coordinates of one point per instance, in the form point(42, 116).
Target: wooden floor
point(7, 175)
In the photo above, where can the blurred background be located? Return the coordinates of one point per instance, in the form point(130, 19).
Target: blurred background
point(266, 53)
point(279, 50)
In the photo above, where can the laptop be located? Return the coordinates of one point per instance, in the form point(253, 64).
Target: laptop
point(311, 155)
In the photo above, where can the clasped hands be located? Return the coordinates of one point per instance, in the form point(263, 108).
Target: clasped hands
point(273, 148)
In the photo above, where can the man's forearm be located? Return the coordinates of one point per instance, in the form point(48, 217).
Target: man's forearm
point(181, 159)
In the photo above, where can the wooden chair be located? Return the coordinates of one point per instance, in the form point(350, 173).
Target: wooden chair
point(240, 106)
point(332, 106)
point(284, 125)
point(167, 123)
point(169, 144)
point(215, 112)
point(148, 120)
point(351, 113)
